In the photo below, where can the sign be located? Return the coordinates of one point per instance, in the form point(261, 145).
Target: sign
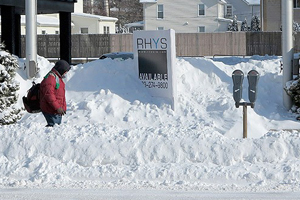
point(154, 54)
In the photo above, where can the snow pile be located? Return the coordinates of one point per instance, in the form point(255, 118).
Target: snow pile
point(117, 136)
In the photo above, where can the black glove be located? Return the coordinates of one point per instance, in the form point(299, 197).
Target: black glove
point(61, 111)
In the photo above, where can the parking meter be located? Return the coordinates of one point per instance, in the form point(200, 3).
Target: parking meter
point(237, 77)
point(253, 77)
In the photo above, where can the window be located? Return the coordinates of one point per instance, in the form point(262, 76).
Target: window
point(228, 11)
point(296, 3)
point(201, 9)
point(56, 32)
point(201, 29)
point(84, 30)
point(160, 28)
point(106, 29)
point(160, 11)
point(43, 32)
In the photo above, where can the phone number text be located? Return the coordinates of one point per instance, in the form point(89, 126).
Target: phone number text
point(153, 84)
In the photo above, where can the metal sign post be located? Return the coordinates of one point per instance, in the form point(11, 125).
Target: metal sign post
point(238, 77)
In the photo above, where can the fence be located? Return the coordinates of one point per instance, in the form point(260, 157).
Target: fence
point(187, 44)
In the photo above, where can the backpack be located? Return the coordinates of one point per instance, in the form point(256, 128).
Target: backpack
point(32, 100)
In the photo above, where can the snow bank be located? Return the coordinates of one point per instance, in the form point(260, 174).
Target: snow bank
point(115, 135)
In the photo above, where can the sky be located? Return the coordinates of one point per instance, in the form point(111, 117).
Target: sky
point(118, 142)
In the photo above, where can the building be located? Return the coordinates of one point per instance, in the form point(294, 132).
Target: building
point(196, 15)
point(93, 24)
point(271, 14)
point(243, 9)
point(11, 11)
point(81, 23)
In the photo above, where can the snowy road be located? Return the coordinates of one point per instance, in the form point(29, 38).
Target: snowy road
point(92, 194)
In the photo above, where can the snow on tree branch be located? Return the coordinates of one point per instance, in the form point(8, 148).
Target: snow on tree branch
point(8, 88)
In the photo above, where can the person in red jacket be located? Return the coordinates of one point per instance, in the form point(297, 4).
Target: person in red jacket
point(52, 93)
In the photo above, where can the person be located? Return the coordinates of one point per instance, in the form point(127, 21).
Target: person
point(52, 94)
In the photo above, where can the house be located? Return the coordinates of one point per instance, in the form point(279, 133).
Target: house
point(185, 16)
point(93, 24)
point(134, 26)
point(271, 14)
point(196, 15)
point(243, 9)
point(46, 24)
point(82, 23)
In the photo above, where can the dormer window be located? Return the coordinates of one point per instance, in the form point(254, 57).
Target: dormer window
point(228, 11)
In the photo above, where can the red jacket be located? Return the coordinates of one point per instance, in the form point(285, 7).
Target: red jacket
point(51, 98)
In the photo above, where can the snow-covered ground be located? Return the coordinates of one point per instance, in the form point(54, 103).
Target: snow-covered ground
point(118, 142)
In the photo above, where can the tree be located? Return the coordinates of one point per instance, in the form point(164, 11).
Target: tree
point(296, 27)
point(255, 24)
point(9, 113)
point(234, 25)
point(126, 11)
point(244, 26)
point(93, 7)
point(293, 90)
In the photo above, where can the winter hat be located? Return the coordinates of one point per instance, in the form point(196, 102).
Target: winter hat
point(62, 66)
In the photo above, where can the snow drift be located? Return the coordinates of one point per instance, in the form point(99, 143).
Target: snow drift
point(115, 135)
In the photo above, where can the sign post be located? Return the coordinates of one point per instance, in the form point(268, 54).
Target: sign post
point(154, 54)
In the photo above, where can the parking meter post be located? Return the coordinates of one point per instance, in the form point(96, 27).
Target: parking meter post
point(237, 77)
point(245, 120)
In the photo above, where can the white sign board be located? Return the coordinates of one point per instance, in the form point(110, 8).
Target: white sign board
point(155, 54)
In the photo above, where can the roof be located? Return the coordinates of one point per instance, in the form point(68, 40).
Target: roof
point(43, 6)
point(252, 2)
point(42, 20)
point(99, 17)
point(223, 1)
point(135, 24)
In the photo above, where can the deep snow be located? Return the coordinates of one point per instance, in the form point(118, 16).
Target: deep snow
point(116, 137)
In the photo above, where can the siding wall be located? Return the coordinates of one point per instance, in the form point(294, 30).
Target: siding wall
point(182, 16)
point(271, 14)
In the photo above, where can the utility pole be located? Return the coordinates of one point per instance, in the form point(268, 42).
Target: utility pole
point(287, 47)
point(31, 38)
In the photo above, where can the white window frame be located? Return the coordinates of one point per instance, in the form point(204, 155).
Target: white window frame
point(227, 14)
point(199, 27)
point(106, 30)
point(204, 9)
point(296, 4)
point(160, 11)
point(86, 30)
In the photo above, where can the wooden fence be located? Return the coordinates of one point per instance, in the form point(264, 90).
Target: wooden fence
point(187, 44)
